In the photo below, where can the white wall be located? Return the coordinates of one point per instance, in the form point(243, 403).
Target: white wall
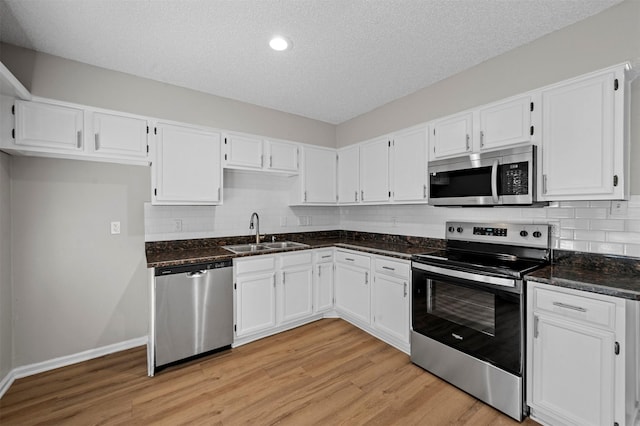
point(608, 38)
point(75, 286)
point(6, 320)
point(244, 193)
point(58, 78)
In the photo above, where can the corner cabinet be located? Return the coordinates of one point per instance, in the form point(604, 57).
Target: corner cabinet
point(186, 167)
point(577, 357)
point(584, 139)
point(348, 175)
point(317, 183)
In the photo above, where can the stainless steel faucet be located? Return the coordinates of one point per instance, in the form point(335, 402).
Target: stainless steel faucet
point(257, 226)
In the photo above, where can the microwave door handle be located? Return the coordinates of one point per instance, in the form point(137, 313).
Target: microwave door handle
point(494, 182)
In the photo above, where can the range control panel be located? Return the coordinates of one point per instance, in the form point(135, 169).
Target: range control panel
point(520, 234)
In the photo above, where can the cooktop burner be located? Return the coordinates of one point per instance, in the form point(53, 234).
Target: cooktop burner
point(497, 249)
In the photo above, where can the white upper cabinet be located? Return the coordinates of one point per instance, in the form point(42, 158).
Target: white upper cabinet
point(319, 176)
point(187, 167)
point(409, 165)
point(55, 128)
point(583, 138)
point(453, 135)
point(506, 123)
point(250, 152)
point(349, 174)
point(374, 171)
point(282, 156)
point(243, 151)
point(118, 135)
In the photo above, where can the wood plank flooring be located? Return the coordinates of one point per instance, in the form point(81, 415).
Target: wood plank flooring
point(326, 373)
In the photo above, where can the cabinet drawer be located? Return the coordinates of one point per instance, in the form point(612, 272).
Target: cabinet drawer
point(324, 256)
point(392, 267)
point(255, 264)
point(297, 258)
point(354, 259)
point(585, 309)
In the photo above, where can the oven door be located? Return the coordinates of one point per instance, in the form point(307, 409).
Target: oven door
point(479, 315)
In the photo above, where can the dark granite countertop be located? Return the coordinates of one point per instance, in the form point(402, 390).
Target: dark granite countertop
point(184, 252)
point(609, 275)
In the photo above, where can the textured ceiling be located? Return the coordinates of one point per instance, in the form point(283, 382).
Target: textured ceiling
point(349, 56)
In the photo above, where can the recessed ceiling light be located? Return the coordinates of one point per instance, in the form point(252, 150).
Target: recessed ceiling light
point(280, 43)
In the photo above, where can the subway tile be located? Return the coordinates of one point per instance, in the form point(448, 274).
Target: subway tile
point(583, 235)
point(632, 250)
point(574, 223)
point(574, 245)
point(632, 225)
point(599, 203)
point(624, 237)
point(566, 204)
point(560, 213)
point(591, 213)
point(606, 248)
point(606, 225)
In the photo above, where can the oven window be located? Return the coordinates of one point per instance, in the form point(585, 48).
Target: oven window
point(468, 307)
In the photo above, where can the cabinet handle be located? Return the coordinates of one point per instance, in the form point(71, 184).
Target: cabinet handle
point(544, 184)
point(270, 161)
point(305, 196)
point(424, 191)
point(219, 194)
point(261, 160)
point(405, 289)
point(356, 192)
point(388, 268)
point(196, 274)
point(467, 142)
point(349, 259)
point(79, 136)
point(319, 271)
point(97, 140)
point(572, 307)
point(362, 195)
point(481, 139)
point(326, 256)
point(274, 281)
point(366, 278)
point(283, 277)
point(535, 327)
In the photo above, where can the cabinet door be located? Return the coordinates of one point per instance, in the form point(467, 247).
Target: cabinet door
point(506, 123)
point(50, 126)
point(243, 151)
point(117, 135)
point(581, 139)
point(187, 166)
point(453, 135)
point(409, 165)
point(319, 177)
point(324, 287)
point(349, 175)
point(297, 293)
point(391, 306)
point(352, 292)
point(374, 171)
point(282, 156)
point(572, 371)
point(255, 303)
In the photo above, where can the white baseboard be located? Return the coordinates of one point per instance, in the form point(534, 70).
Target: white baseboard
point(63, 361)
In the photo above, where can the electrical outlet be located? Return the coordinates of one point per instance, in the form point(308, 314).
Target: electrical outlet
point(115, 228)
point(619, 208)
point(177, 225)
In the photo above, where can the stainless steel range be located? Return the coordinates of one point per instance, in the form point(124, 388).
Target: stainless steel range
point(468, 309)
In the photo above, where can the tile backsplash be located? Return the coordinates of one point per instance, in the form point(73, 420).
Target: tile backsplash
point(590, 226)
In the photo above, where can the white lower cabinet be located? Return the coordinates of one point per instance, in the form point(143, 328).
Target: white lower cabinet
point(323, 280)
point(255, 295)
point(297, 286)
point(576, 357)
point(352, 286)
point(390, 300)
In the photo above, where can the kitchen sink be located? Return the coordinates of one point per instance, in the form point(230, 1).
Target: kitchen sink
point(257, 248)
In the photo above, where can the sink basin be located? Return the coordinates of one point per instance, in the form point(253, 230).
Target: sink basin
point(285, 245)
point(257, 248)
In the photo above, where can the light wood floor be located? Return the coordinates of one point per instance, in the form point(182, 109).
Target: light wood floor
point(328, 372)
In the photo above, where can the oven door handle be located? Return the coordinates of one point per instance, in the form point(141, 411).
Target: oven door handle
point(494, 182)
point(469, 276)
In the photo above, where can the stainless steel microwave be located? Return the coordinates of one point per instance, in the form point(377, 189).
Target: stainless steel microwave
point(496, 178)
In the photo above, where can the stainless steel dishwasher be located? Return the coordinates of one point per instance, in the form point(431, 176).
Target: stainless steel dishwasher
point(193, 311)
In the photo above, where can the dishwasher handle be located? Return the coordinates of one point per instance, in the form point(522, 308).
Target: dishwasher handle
point(196, 274)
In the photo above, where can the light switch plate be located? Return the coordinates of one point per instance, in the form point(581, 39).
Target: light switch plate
point(115, 228)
